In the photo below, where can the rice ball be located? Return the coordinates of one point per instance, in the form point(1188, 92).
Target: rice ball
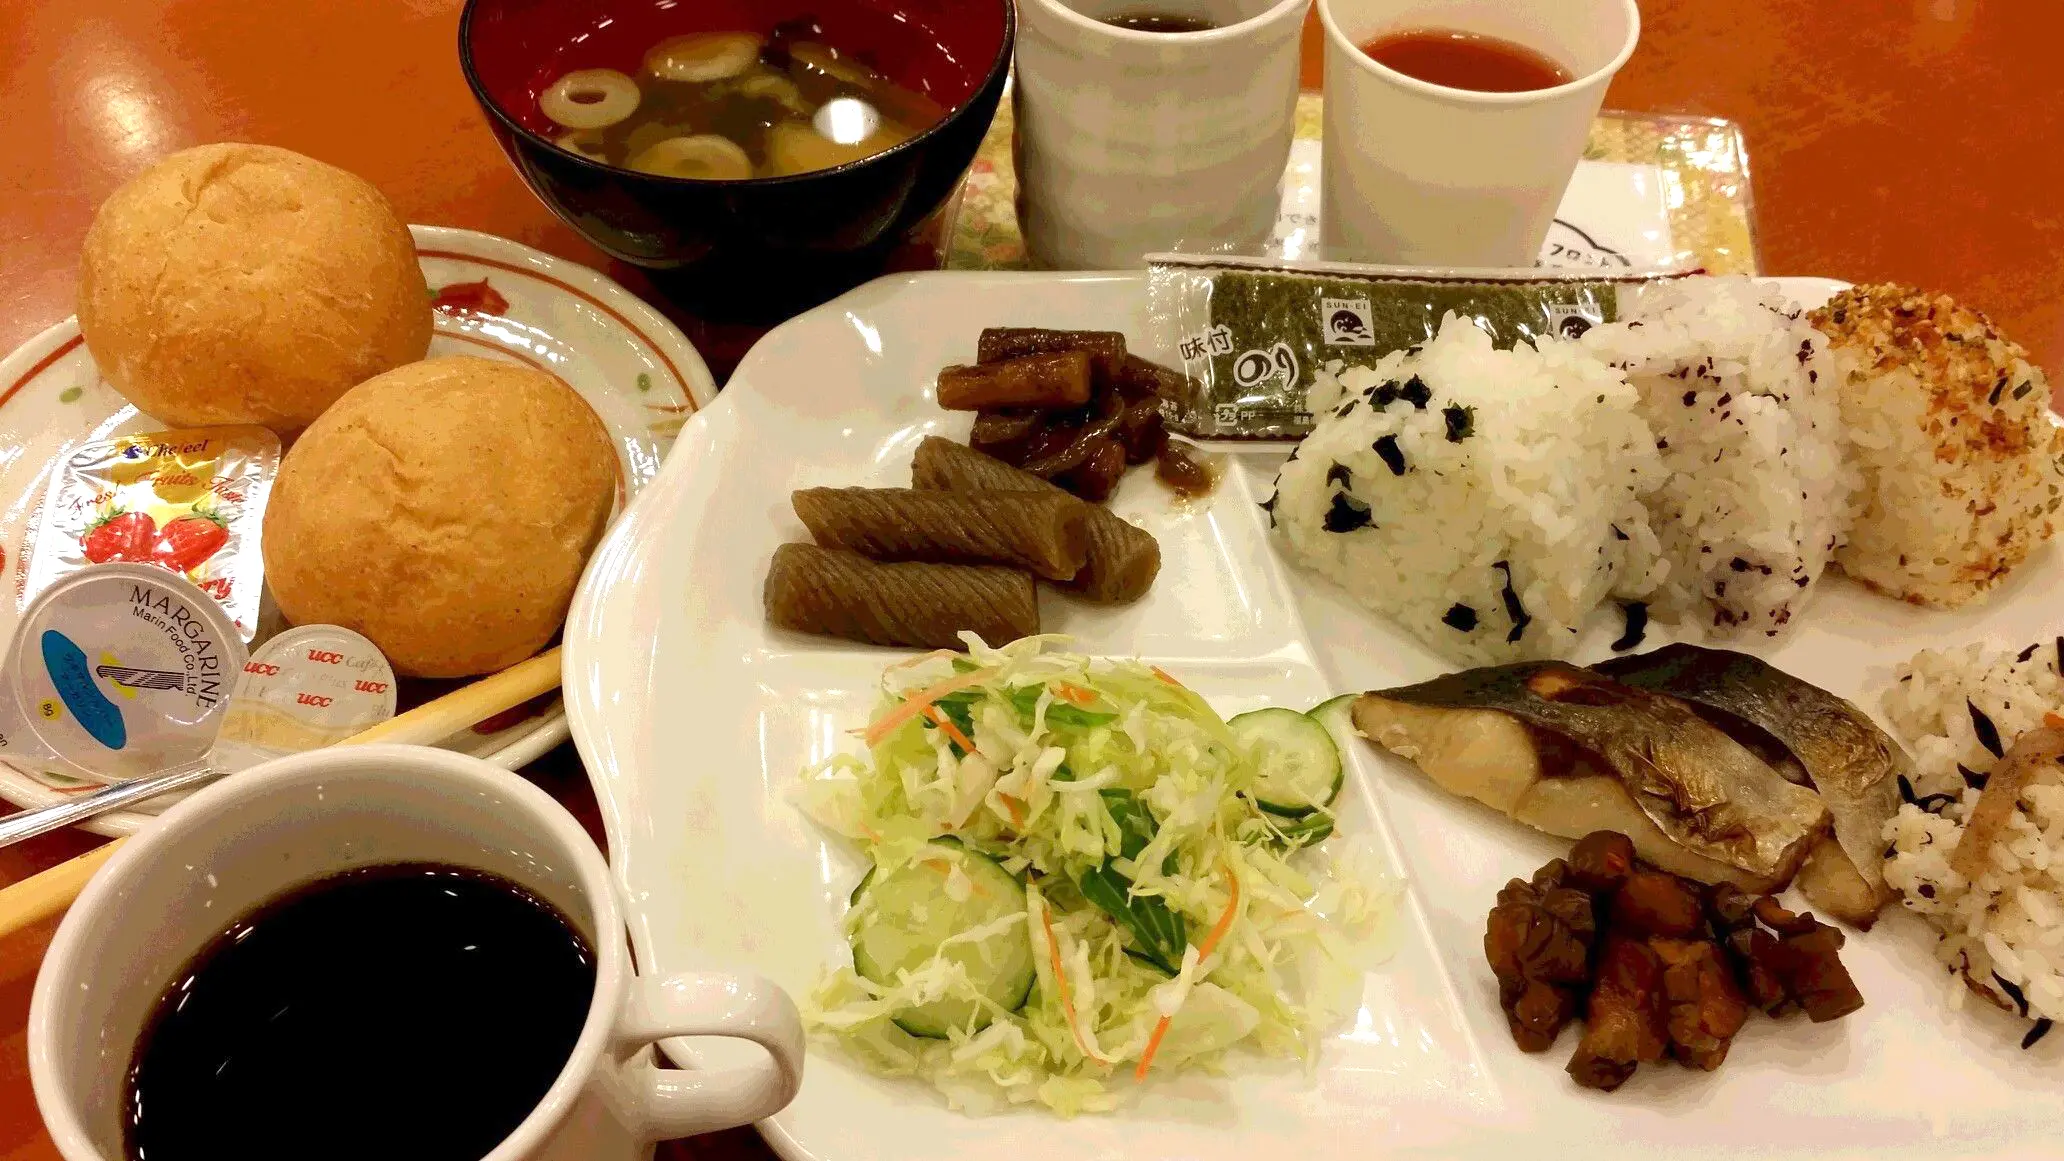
point(247, 284)
point(1742, 399)
point(1487, 500)
point(1950, 427)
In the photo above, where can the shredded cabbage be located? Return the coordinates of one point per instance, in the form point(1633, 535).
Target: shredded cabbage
point(1114, 793)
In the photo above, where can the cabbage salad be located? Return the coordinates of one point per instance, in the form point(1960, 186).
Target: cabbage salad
point(1082, 874)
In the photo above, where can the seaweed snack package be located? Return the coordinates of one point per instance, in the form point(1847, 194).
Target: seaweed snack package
point(1261, 341)
point(190, 501)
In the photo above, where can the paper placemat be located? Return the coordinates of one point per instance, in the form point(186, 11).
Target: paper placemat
point(1651, 190)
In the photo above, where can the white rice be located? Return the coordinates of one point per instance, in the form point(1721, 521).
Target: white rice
point(2003, 935)
point(1744, 403)
point(1488, 545)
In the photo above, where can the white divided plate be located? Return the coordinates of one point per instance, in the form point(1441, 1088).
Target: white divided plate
point(638, 372)
point(695, 719)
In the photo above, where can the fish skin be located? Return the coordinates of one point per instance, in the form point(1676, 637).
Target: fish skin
point(1853, 764)
point(1703, 790)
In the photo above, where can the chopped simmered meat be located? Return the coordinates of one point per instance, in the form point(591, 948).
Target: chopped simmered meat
point(1706, 1007)
point(1537, 1012)
point(1806, 961)
point(1659, 965)
point(1625, 1023)
point(1601, 861)
point(1658, 903)
point(1729, 907)
point(1756, 954)
point(1538, 940)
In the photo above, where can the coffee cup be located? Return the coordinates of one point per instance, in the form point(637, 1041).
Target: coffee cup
point(263, 833)
point(1421, 174)
point(1131, 142)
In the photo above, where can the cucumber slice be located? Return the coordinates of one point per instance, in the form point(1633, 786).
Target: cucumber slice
point(1296, 765)
point(900, 919)
point(1333, 711)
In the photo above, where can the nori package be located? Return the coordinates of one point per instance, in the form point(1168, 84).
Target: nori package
point(1253, 334)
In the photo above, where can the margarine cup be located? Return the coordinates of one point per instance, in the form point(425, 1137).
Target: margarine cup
point(1131, 142)
point(262, 833)
point(117, 671)
point(1420, 174)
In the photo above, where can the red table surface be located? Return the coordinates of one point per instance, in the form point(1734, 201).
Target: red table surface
point(1911, 140)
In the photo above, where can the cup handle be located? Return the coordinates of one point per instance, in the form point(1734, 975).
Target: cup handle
point(683, 1102)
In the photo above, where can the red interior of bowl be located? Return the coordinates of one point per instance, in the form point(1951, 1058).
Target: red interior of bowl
point(942, 48)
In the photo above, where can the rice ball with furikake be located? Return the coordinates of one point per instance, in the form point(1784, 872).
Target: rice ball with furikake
point(1745, 404)
point(1487, 500)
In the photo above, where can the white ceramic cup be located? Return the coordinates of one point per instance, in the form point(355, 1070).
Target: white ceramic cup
point(1134, 142)
point(1423, 175)
point(257, 834)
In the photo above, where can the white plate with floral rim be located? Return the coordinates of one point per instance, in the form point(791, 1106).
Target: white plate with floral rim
point(694, 720)
point(494, 297)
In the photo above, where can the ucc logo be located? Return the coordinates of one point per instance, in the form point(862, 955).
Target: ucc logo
point(325, 656)
point(369, 686)
point(314, 699)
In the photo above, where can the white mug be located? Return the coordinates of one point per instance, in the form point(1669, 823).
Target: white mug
point(1420, 174)
point(1131, 142)
point(258, 834)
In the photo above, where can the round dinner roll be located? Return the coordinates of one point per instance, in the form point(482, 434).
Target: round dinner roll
point(248, 284)
point(445, 510)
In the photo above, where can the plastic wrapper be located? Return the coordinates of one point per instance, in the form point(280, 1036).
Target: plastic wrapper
point(1256, 337)
point(190, 501)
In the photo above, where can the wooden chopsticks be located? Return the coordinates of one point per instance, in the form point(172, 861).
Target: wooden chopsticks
point(48, 893)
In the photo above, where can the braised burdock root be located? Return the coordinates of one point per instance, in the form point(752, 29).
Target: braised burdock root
point(1659, 965)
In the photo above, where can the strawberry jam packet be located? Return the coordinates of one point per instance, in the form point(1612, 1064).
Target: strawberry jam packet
point(189, 501)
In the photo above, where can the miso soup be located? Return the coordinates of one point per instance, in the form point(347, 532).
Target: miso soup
point(724, 106)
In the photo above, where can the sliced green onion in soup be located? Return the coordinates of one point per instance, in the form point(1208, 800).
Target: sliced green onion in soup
point(704, 156)
point(586, 142)
point(590, 99)
point(703, 56)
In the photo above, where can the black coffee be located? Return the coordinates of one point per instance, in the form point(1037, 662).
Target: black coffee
point(1151, 21)
point(400, 1013)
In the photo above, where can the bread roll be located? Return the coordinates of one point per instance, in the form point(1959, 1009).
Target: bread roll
point(248, 284)
point(445, 510)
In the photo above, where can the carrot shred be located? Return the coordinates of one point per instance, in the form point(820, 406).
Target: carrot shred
point(921, 658)
point(1053, 950)
point(1204, 950)
point(2054, 721)
point(947, 727)
point(916, 703)
point(1163, 675)
point(1010, 805)
point(1073, 694)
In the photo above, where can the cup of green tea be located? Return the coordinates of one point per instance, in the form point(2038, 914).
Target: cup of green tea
point(1148, 125)
point(1452, 126)
point(378, 952)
